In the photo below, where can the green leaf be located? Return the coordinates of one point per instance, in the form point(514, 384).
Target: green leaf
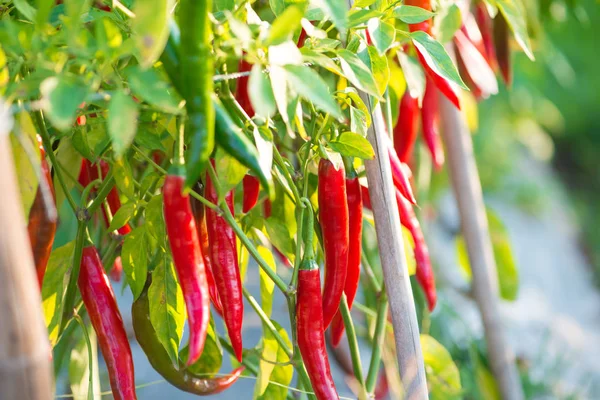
point(357, 72)
point(352, 144)
point(359, 17)
point(310, 85)
point(55, 281)
point(508, 274)
point(154, 221)
point(124, 178)
point(436, 57)
point(279, 235)
point(412, 14)
point(134, 257)
point(61, 96)
point(363, 3)
point(148, 85)
point(167, 307)
point(79, 369)
point(336, 10)
point(69, 159)
point(150, 29)
point(380, 69)
point(447, 23)
point(267, 285)
point(26, 158)
point(321, 60)
point(284, 26)
point(43, 12)
point(26, 9)
point(261, 93)
point(413, 74)
point(358, 121)
point(272, 380)
point(211, 359)
point(382, 34)
point(122, 121)
point(515, 15)
point(4, 72)
point(122, 216)
point(440, 370)
point(486, 383)
point(229, 170)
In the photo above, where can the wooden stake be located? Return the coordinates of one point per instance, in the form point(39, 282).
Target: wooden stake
point(468, 193)
point(25, 355)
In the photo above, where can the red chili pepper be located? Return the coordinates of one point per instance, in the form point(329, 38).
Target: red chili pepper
point(442, 83)
point(399, 175)
point(502, 45)
point(310, 325)
point(199, 216)
point(409, 220)
point(475, 64)
point(104, 314)
point(424, 273)
point(405, 131)
point(251, 192)
point(464, 73)
point(189, 264)
point(84, 173)
point(333, 216)
point(113, 200)
point(485, 27)
point(41, 227)
point(241, 91)
point(429, 124)
point(355, 207)
point(382, 388)
point(302, 38)
point(117, 270)
point(223, 254)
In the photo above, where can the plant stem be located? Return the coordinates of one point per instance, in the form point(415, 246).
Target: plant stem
point(107, 186)
point(90, 354)
point(149, 160)
point(378, 340)
point(352, 341)
point(39, 119)
point(69, 298)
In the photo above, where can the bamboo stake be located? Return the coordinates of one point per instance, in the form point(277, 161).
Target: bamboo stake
point(25, 372)
point(468, 193)
point(393, 259)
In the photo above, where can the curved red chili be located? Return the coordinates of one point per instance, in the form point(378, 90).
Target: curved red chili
point(84, 173)
point(251, 192)
point(113, 200)
point(199, 216)
point(333, 216)
point(482, 17)
point(187, 257)
point(399, 175)
point(429, 125)
point(104, 314)
point(502, 46)
point(223, 254)
point(241, 91)
point(424, 271)
point(355, 217)
point(405, 131)
point(41, 228)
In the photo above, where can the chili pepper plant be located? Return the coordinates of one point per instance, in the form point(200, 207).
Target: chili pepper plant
point(197, 146)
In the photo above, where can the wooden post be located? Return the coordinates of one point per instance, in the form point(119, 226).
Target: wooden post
point(468, 193)
point(393, 259)
point(25, 372)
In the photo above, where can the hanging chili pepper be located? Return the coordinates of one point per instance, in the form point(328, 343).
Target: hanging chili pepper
point(333, 216)
point(223, 254)
point(158, 357)
point(199, 216)
point(302, 38)
point(399, 177)
point(408, 218)
point(310, 325)
point(355, 207)
point(442, 83)
point(429, 125)
point(475, 64)
point(482, 17)
point(99, 300)
point(405, 131)
point(84, 173)
point(41, 227)
point(187, 257)
point(466, 77)
point(117, 270)
point(424, 271)
point(196, 69)
point(251, 192)
point(502, 45)
point(241, 91)
point(113, 200)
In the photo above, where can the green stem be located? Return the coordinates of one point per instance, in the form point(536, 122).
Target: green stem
point(110, 255)
point(103, 192)
point(249, 366)
point(370, 274)
point(39, 119)
point(90, 355)
point(286, 173)
point(69, 298)
point(149, 159)
point(378, 339)
point(352, 341)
